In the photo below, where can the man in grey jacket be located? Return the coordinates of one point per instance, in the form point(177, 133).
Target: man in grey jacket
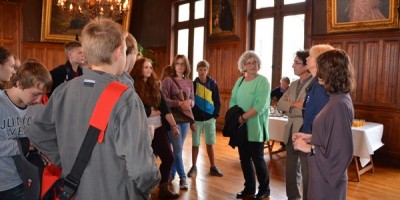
point(292, 103)
point(123, 165)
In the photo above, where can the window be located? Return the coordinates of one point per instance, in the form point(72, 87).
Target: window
point(279, 28)
point(189, 31)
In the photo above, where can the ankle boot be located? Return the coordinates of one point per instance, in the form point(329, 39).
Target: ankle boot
point(165, 192)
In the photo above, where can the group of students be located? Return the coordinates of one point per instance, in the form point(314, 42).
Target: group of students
point(318, 135)
point(123, 166)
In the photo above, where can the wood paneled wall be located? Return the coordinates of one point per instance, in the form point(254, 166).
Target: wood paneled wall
point(159, 58)
point(223, 59)
point(376, 98)
point(50, 54)
point(10, 26)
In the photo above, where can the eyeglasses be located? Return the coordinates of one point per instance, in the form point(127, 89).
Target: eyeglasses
point(254, 63)
point(297, 63)
point(180, 63)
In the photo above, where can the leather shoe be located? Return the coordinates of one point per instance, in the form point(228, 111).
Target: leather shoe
point(244, 194)
point(261, 195)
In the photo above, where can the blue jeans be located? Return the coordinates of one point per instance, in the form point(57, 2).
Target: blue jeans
point(15, 193)
point(177, 145)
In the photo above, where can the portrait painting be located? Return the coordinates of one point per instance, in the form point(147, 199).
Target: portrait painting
point(223, 19)
point(361, 15)
point(58, 26)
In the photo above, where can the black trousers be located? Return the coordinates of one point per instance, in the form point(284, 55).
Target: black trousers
point(253, 153)
point(162, 148)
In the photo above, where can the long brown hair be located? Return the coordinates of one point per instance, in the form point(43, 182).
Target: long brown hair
point(148, 91)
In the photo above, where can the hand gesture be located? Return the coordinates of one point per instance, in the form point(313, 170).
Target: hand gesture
point(193, 127)
point(302, 136)
point(185, 105)
point(175, 131)
point(302, 145)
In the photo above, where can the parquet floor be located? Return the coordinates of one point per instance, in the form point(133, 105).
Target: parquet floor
point(383, 184)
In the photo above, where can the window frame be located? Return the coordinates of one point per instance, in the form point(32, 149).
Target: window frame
point(278, 12)
point(191, 24)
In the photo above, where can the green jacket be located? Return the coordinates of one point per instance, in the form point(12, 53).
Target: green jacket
point(253, 94)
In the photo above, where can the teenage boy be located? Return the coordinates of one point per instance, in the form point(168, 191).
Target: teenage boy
point(72, 68)
point(205, 111)
point(123, 165)
point(29, 84)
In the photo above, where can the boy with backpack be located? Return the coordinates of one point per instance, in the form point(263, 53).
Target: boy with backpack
point(122, 164)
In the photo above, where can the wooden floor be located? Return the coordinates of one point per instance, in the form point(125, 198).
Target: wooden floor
point(382, 185)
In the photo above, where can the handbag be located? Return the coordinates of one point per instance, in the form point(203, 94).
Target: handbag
point(181, 116)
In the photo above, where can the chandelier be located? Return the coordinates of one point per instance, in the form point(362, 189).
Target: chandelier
point(112, 9)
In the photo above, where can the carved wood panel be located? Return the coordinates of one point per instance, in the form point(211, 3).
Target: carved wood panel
point(50, 54)
point(223, 59)
point(376, 60)
point(10, 26)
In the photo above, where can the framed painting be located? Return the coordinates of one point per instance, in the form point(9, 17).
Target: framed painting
point(361, 15)
point(58, 27)
point(223, 20)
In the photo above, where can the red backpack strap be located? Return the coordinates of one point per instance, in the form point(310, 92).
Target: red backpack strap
point(97, 126)
point(102, 110)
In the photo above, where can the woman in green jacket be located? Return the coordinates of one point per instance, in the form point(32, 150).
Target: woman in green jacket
point(252, 93)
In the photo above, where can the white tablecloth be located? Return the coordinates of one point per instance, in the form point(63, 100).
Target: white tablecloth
point(366, 139)
point(276, 128)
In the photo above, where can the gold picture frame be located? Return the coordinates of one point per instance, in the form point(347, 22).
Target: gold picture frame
point(223, 20)
point(58, 28)
point(361, 15)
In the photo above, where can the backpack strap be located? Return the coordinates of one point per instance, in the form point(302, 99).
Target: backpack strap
point(95, 133)
point(104, 106)
point(241, 81)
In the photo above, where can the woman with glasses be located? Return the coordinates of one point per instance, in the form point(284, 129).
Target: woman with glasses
point(252, 93)
point(180, 74)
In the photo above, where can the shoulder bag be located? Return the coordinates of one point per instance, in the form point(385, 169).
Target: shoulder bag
point(181, 116)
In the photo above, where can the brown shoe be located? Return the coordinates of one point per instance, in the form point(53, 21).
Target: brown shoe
point(165, 192)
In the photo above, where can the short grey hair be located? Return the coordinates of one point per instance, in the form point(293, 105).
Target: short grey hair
point(245, 56)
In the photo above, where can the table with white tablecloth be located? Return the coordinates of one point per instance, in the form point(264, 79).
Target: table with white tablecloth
point(366, 140)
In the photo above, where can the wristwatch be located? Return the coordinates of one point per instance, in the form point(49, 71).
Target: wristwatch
point(312, 150)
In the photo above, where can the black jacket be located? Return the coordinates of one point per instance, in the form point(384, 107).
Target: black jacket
point(62, 74)
point(232, 128)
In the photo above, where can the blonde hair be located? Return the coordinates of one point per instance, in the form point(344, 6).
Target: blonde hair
point(203, 63)
point(131, 44)
point(318, 49)
point(100, 37)
point(69, 46)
